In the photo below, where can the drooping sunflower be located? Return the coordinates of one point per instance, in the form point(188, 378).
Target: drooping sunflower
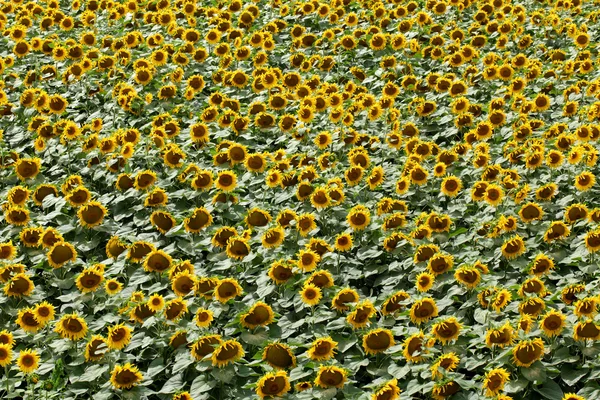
point(279, 356)
point(20, 285)
point(260, 314)
point(495, 380)
point(447, 330)
point(118, 336)
point(226, 353)
point(272, 384)
point(413, 349)
point(71, 326)
point(423, 310)
point(183, 283)
point(513, 247)
point(226, 289)
point(237, 248)
point(377, 341)
point(388, 391)
point(125, 376)
point(586, 330)
point(343, 298)
point(175, 309)
point(331, 377)
point(500, 337)
point(162, 221)
point(95, 348)
point(448, 362)
point(27, 321)
point(526, 352)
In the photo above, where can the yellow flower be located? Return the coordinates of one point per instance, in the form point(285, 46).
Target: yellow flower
point(279, 356)
point(331, 377)
point(412, 345)
point(447, 330)
point(226, 289)
point(125, 376)
point(553, 323)
point(119, 336)
point(20, 285)
point(377, 341)
point(227, 353)
point(526, 352)
point(423, 310)
point(359, 217)
point(95, 348)
point(310, 294)
point(28, 361)
point(389, 391)
point(260, 314)
point(6, 355)
point(495, 380)
point(71, 326)
point(272, 384)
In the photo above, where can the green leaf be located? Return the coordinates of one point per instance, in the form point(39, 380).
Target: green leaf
point(536, 373)
point(550, 390)
point(571, 376)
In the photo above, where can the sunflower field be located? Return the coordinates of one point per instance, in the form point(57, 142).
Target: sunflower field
point(248, 199)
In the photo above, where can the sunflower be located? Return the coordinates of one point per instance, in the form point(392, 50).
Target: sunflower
point(424, 281)
point(592, 241)
point(27, 321)
point(205, 346)
point(447, 330)
point(526, 352)
point(279, 356)
point(226, 289)
point(440, 263)
point(20, 285)
point(513, 247)
point(531, 212)
point(413, 348)
point(89, 280)
point(542, 265)
point(451, 186)
point(553, 323)
point(7, 338)
point(587, 307)
point(28, 361)
point(155, 303)
point(162, 221)
point(305, 223)
point(556, 231)
point(388, 391)
point(468, 276)
point(533, 306)
point(272, 384)
point(27, 168)
point(495, 380)
point(175, 309)
point(586, 330)
point(358, 218)
point(6, 355)
point(157, 261)
point(584, 181)
point(118, 336)
point(310, 294)
point(226, 353)
point(71, 326)
point(226, 181)
point(331, 377)
point(125, 376)
point(260, 314)
point(377, 341)
point(95, 348)
point(237, 248)
point(183, 283)
point(17, 216)
point(423, 310)
point(280, 272)
point(448, 362)
point(44, 312)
